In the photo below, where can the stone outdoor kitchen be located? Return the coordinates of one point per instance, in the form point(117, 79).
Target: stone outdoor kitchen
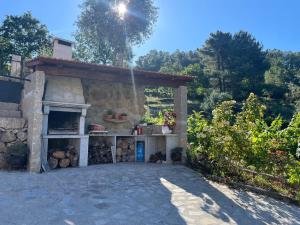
point(77, 114)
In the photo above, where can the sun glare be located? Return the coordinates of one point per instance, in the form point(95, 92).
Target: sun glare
point(122, 9)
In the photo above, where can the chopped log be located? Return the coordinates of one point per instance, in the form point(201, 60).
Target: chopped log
point(74, 160)
point(124, 145)
point(119, 151)
point(52, 162)
point(70, 148)
point(68, 154)
point(132, 147)
point(63, 163)
point(59, 154)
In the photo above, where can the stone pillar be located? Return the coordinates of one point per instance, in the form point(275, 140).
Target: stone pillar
point(180, 106)
point(171, 142)
point(32, 112)
point(83, 151)
point(82, 122)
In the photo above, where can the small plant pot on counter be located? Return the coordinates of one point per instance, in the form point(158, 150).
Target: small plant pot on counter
point(95, 127)
point(107, 117)
point(166, 130)
point(109, 114)
point(123, 116)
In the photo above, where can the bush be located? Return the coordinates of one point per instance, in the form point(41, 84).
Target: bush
point(231, 141)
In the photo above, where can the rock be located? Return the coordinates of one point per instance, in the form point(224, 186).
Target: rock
point(22, 136)
point(3, 148)
point(10, 144)
point(8, 136)
point(12, 123)
point(17, 157)
point(3, 164)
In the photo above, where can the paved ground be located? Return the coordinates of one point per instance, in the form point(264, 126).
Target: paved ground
point(132, 194)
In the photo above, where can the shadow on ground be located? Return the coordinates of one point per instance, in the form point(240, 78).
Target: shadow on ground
point(225, 205)
point(132, 194)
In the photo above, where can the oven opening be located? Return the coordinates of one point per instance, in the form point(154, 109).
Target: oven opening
point(63, 123)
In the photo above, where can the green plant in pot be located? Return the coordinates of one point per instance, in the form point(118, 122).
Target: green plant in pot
point(109, 114)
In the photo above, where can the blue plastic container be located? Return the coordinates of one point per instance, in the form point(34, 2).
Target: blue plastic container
point(140, 151)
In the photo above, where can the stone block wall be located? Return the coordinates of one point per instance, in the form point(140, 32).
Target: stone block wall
point(13, 131)
point(118, 97)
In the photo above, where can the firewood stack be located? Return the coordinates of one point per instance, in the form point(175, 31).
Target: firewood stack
point(125, 150)
point(100, 152)
point(63, 158)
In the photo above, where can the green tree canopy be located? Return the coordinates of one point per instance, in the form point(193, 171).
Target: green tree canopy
point(235, 62)
point(103, 37)
point(22, 35)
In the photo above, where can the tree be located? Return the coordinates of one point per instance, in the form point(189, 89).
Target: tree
point(153, 61)
point(197, 88)
point(22, 35)
point(5, 47)
point(103, 36)
point(217, 54)
point(248, 65)
point(282, 83)
point(235, 62)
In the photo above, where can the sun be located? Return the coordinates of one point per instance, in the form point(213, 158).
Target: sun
point(122, 9)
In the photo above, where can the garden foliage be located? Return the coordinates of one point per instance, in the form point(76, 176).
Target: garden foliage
point(234, 140)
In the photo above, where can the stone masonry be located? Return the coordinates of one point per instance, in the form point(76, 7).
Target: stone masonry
point(13, 131)
point(113, 96)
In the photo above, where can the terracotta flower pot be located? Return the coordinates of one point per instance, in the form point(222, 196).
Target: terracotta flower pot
point(108, 117)
point(123, 117)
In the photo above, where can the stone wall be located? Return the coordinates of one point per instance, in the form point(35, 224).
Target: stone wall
point(113, 96)
point(13, 131)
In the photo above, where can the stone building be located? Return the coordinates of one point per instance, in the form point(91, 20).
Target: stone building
point(63, 97)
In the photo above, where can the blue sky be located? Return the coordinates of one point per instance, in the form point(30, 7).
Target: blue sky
point(185, 24)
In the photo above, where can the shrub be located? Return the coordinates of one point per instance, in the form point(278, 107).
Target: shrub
point(232, 141)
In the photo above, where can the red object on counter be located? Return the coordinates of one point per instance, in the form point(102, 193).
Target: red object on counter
point(139, 131)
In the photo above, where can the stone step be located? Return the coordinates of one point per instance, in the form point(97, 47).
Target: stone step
point(12, 123)
point(10, 113)
point(9, 106)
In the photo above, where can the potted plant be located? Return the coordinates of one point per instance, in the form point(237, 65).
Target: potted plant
point(170, 120)
point(123, 116)
point(109, 114)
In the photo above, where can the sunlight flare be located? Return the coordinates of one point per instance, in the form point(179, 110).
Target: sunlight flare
point(121, 9)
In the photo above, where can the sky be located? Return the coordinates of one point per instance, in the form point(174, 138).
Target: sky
point(184, 24)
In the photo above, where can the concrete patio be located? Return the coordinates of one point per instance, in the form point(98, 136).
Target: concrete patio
point(132, 194)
